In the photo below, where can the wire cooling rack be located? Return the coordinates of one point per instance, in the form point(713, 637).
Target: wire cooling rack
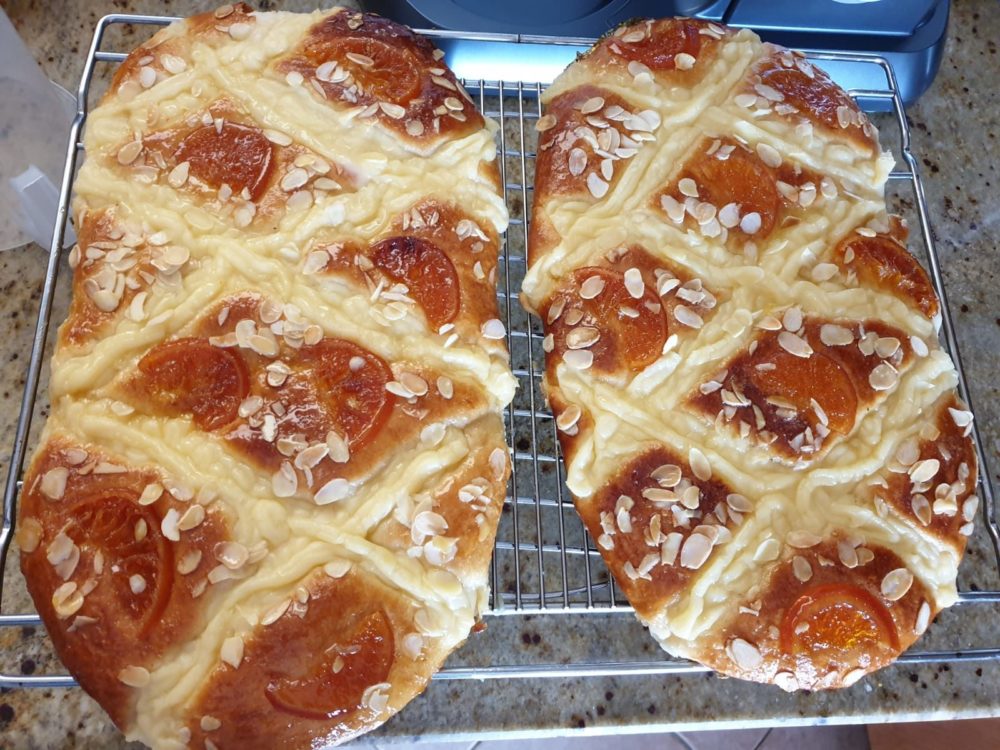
point(544, 561)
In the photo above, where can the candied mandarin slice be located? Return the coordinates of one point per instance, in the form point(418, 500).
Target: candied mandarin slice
point(632, 331)
point(884, 263)
point(801, 380)
point(107, 520)
point(190, 377)
point(742, 179)
point(659, 51)
point(351, 382)
point(817, 98)
point(427, 272)
point(842, 619)
point(340, 674)
point(236, 155)
point(386, 72)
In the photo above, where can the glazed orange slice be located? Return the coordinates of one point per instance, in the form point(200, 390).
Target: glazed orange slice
point(190, 377)
point(837, 620)
point(632, 331)
point(351, 384)
point(383, 71)
point(883, 263)
point(801, 380)
point(660, 50)
point(817, 98)
point(236, 155)
point(427, 272)
point(107, 521)
point(340, 674)
point(742, 179)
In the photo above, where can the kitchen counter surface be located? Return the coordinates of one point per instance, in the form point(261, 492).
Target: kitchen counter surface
point(955, 129)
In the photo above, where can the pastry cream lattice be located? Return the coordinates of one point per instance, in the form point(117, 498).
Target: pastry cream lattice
point(264, 502)
point(759, 426)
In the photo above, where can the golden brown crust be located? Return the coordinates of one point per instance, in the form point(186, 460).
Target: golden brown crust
point(307, 677)
point(328, 434)
point(798, 404)
point(816, 625)
point(113, 590)
point(388, 73)
point(655, 510)
point(759, 426)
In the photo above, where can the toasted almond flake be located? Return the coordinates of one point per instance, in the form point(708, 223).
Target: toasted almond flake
point(568, 417)
point(231, 554)
point(189, 562)
point(333, 491)
point(896, 583)
point(546, 122)
point(274, 614)
point(695, 551)
point(209, 723)
point(592, 104)
point(668, 475)
point(634, 284)
point(591, 287)
point(232, 651)
point(29, 535)
point(294, 178)
point(800, 539)
point(750, 223)
point(597, 187)
point(240, 31)
point(686, 316)
point(498, 462)
point(919, 346)
point(801, 568)
point(961, 417)
point(394, 111)
point(582, 337)
point(413, 383)
point(53, 483)
point(923, 471)
point(786, 681)
point(494, 329)
point(133, 676)
point(795, 345)
point(883, 377)
point(853, 676)
point(746, 655)
point(414, 128)
point(824, 271)
point(834, 335)
point(767, 550)
point(699, 464)
point(150, 493)
point(921, 507)
point(688, 187)
point(337, 568)
point(358, 59)
point(738, 503)
point(578, 359)
point(285, 482)
point(769, 93)
point(729, 215)
point(576, 161)
point(294, 78)
point(792, 319)
point(769, 155)
point(684, 61)
point(192, 518)
point(923, 618)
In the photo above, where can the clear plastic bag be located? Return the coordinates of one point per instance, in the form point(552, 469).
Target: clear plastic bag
point(35, 116)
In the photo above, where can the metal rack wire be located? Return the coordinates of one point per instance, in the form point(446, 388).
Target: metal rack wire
point(544, 561)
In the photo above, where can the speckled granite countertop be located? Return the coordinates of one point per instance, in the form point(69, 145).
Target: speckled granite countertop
point(955, 130)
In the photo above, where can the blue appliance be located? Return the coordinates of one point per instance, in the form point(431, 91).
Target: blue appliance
point(909, 33)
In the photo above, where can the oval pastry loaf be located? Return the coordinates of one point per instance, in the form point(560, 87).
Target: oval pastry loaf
point(760, 429)
point(263, 506)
